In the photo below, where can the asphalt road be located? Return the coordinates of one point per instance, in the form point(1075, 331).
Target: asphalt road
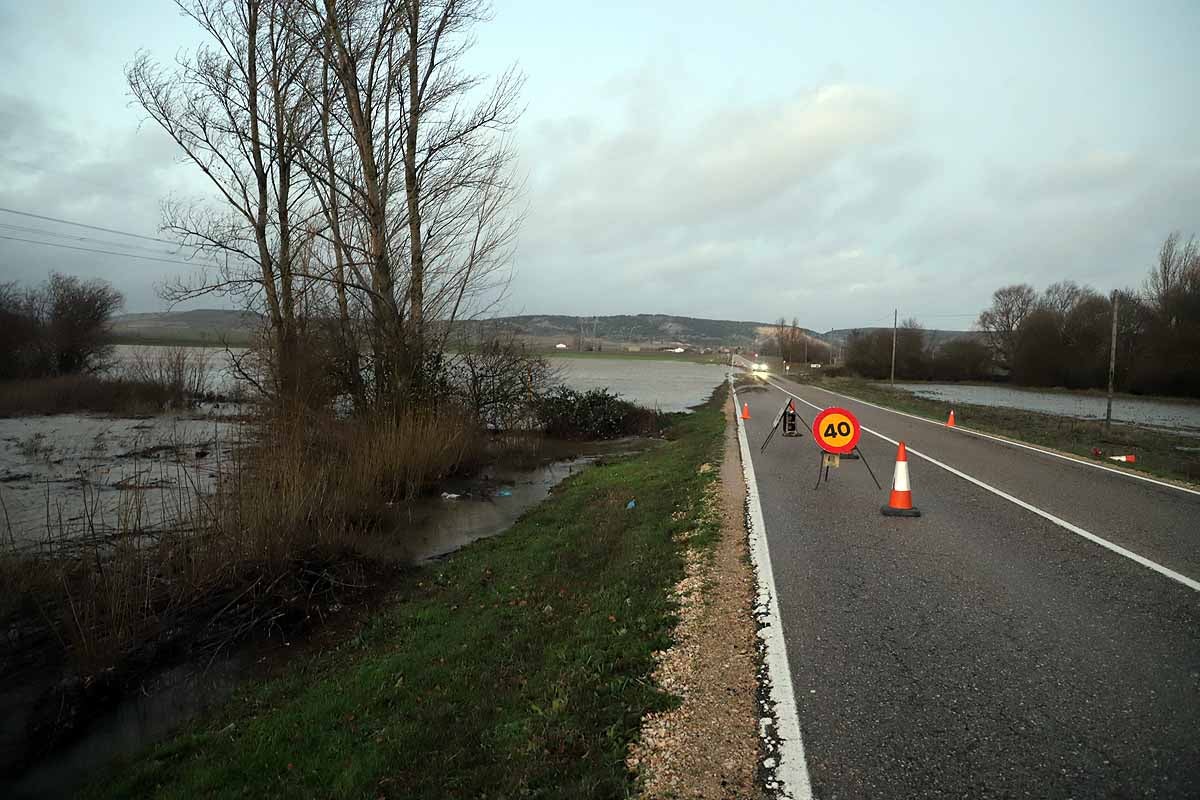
point(982, 650)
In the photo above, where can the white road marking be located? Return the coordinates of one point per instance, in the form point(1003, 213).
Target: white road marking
point(1078, 461)
point(792, 769)
point(1116, 548)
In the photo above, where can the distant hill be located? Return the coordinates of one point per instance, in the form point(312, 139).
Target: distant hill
point(217, 326)
point(639, 329)
point(202, 326)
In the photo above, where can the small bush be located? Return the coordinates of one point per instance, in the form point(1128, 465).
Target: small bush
point(595, 414)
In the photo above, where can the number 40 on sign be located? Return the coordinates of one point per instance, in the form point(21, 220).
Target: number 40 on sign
point(836, 431)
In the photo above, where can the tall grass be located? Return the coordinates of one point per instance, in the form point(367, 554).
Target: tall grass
point(64, 394)
point(286, 525)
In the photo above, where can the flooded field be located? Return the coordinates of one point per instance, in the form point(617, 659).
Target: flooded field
point(70, 476)
point(77, 475)
point(1183, 417)
point(665, 385)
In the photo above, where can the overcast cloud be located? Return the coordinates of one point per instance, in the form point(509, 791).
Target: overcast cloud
point(824, 162)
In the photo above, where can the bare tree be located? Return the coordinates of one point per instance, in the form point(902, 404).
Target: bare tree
point(425, 176)
point(1000, 322)
point(1177, 262)
point(238, 110)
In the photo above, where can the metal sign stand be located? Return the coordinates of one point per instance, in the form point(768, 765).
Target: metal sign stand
point(828, 460)
point(788, 416)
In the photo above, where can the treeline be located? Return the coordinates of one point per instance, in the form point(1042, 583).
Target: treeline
point(793, 345)
point(869, 353)
point(1062, 336)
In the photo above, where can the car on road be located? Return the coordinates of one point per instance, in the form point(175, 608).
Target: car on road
point(758, 366)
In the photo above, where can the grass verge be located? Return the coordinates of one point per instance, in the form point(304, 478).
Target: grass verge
point(518, 667)
point(1156, 451)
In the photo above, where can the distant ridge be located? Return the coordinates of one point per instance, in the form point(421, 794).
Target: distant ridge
point(225, 326)
point(202, 326)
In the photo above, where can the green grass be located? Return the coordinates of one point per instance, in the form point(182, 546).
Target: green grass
point(518, 667)
point(1156, 450)
point(698, 358)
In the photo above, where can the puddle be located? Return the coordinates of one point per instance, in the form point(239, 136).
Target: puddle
point(486, 506)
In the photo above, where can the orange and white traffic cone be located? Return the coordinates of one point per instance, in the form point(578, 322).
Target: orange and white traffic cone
point(900, 503)
point(950, 422)
point(745, 411)
point(1126, 459)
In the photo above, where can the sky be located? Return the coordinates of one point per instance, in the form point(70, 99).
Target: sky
point(824, 161)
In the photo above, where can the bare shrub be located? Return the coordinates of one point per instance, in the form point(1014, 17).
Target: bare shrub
point(500, 381)
point(182, 373)
point(58, 328)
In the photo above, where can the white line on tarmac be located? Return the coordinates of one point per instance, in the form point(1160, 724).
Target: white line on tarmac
point(792, 769)
point(1078, 461)
point(1116, 548)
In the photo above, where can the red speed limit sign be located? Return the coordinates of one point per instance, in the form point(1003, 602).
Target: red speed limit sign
point(836, 430)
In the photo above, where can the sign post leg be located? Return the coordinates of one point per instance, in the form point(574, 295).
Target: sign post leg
point(864, 460)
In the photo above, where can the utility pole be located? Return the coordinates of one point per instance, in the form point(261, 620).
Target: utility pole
point(805, 350)
point(895, 322)
point(1112, 360)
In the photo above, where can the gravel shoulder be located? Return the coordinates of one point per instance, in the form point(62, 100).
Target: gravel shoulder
point(709, 747)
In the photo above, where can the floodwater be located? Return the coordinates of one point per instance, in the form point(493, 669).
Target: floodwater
point(1182, 417)
point(665, 385)
point(72, 475)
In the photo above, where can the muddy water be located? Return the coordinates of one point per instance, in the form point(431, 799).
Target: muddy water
point(482, 507)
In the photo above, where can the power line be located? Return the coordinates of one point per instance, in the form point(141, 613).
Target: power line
point(85, 225)
point(109, 252)
point(73, 237)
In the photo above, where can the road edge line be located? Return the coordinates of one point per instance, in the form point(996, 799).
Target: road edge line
point(1024, 445)
point(1166, 572)
point(792, 770)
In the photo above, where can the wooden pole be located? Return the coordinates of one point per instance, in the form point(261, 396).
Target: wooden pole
point(1112, 360)
point(895, 322)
